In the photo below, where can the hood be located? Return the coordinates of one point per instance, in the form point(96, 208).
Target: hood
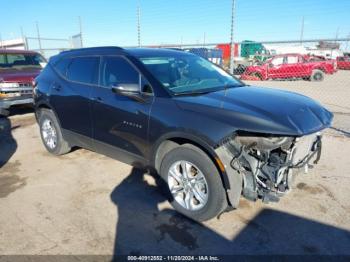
point(19, 75)
point(261, 110)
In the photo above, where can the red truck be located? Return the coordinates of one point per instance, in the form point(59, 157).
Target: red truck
point(290, 66)
point(343, 62)
point(18, 69)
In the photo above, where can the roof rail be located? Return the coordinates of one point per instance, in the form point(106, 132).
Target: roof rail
point(91, 48)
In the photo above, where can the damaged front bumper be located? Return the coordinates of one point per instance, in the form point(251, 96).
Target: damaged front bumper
point(262, 166)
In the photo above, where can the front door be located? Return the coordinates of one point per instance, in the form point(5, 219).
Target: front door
point(276, 68)
point(120, 123)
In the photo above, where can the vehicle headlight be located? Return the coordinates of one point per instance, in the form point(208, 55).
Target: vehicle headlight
point(8, 85)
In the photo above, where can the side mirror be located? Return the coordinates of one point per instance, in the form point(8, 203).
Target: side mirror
point(271, 65)
point(126, 89)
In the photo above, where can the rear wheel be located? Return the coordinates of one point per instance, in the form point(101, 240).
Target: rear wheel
point(317, 75)
point(194, 183)
point(51, 134)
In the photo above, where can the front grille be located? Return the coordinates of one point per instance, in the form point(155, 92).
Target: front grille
point(24, 89)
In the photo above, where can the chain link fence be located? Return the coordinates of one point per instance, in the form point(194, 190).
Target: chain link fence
point(52, 46)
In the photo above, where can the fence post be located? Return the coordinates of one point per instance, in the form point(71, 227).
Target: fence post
point(39, 40)
point(81, 32)
point(232, 32)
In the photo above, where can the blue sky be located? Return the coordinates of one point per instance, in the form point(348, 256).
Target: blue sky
point(113, 22)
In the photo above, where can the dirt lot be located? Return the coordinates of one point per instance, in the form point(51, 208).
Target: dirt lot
point(85, 203)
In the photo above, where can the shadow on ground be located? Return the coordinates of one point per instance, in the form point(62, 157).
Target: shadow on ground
point(8, 144)
point(143, 229)
point(9, 181)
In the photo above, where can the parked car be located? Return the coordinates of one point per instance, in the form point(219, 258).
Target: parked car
point(290, 66)
point(18, 69)
point(210, 137)
point(343, 62)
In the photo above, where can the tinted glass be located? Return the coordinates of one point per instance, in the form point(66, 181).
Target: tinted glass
point(83, 69)
point(118, 71)
point(61, 66)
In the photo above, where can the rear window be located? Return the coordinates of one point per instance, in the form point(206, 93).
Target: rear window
point(83, 70)
point(8, 61)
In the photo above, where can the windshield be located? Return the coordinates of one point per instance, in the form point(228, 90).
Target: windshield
point(189, 74)
point(18, 61)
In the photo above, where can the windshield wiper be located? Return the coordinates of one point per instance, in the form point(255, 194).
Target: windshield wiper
point(194, 93)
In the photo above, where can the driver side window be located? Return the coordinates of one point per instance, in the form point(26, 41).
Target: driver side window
point(117, 70)
point(277, 61)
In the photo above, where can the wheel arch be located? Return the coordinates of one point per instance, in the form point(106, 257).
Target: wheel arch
point(170, 141)
point(45, 105)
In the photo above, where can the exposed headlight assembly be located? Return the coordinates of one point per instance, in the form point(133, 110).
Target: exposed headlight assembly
point(265, 142)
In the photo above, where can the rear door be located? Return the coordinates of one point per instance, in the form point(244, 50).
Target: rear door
point(120, 123)
point(70, 96)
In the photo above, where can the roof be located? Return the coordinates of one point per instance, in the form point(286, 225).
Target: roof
point(145, 52)
point(17, 51)
point(137, 52)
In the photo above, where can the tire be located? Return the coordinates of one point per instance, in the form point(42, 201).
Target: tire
point(257, 75)
point(47, 120)
point(317, 75)
point(216, 200)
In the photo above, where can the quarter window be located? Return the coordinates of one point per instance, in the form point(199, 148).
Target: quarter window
point(84, 70)
point(61, 66)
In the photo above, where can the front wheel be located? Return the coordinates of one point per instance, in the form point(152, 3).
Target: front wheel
point(317, 75)
point(194, 183)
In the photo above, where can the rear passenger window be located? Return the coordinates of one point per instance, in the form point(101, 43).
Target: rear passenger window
point(83, 70)
point(116, 71)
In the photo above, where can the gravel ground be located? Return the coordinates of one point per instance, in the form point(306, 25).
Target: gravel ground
point(85, 203)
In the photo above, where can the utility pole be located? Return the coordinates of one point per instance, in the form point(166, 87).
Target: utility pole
point(232, 35)
point(38, 34)
point(139, 26)
point(302, 30)
point(81, 32)
point(24, 39)
point(346, 46)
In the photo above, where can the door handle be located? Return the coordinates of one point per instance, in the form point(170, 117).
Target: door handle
point(56, 87)
point(97, 98)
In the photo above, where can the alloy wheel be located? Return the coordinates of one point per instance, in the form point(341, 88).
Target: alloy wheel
point(188, 185)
